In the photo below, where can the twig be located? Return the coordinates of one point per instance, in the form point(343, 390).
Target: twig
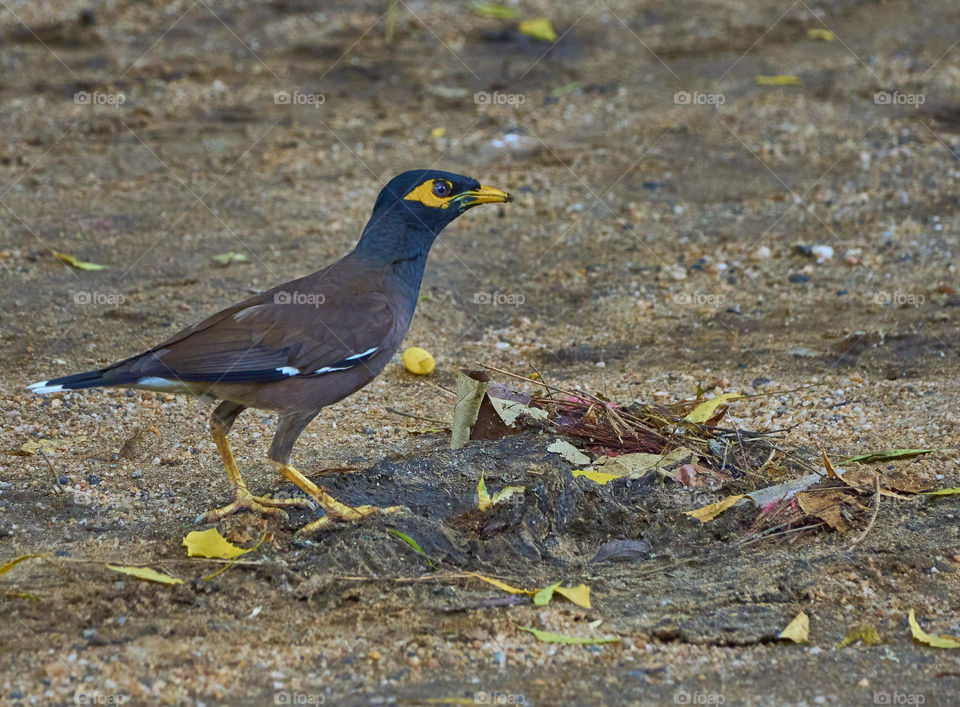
point(767, 534)
point(540, 377)
point(490, 603)
point(547, 386)
point(440, 388)
point(417, 417)
point(876, 511)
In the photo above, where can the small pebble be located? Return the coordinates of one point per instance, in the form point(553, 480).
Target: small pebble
point(822, 252)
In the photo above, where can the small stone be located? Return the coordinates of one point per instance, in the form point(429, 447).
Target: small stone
point(93, 479)
point(822, 252)
point(799, 278)
point(374, 656)
point(761, 253)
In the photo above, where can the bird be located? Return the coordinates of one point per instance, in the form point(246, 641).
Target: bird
point(305, 344)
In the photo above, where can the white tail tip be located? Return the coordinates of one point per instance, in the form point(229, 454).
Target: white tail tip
point(42, 388)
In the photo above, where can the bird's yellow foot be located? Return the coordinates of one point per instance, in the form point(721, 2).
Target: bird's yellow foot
point(246, 501)
point(342, 513)
point(336, 512)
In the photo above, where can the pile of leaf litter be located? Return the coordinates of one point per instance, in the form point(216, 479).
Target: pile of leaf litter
point(685, 444)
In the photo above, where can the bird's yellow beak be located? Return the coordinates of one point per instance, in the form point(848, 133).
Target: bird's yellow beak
point(483, 195)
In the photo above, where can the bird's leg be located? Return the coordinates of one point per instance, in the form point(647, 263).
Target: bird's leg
point(221, 421)
point(335, 511)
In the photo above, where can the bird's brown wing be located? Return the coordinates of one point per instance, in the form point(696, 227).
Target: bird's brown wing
point(283, 332)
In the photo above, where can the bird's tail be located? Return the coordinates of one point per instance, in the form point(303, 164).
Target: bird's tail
point(88, 379)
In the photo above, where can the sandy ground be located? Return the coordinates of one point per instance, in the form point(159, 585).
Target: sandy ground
point(677, 224)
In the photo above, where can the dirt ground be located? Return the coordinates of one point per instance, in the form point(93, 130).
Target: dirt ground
point(672, 229)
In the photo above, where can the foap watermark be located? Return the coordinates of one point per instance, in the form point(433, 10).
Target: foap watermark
point(296, 98)
point(898, 299)
point(699, 299)
point(496, 299)
point(114, 299)
point(313, 299)
point(85, 98)
point(685, 697)
point(295, 697)
point(696, 98)
point(895, 98)
point(499, 698)
point(895, 697)
point(95, 697)
point(485, 98)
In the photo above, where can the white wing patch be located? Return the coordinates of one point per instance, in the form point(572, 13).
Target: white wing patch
point(289, 370)
point(350, 361)
point(361, 355)
point(331, 369)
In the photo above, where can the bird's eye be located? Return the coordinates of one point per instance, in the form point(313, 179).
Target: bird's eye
point(441, 189)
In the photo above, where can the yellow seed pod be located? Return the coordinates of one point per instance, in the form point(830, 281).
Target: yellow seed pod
point(417, 360)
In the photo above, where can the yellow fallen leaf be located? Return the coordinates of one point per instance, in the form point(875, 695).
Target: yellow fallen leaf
point(145, 573)
point(13, 563)
point(599, 477)
point(230, 564)
point(505, 493)
point(418, 361)
point(22, 595)
point(886, 456)
point(865, 633)
point(797, 630)
point(579, 595)
point(817, 33)
point(209, 543)
point(781, 80)
point(438, 132)
point(705, 410)
point(539, 28)
point(707, 513)
point(543, 596)
point(546, 637)
point(485, 501)
point(500, 585)
point(499, 12)
point(483, 497)
point(75, 263)
point(933, 641)
point(942, 492)
point(40, 446)
point(227, 258)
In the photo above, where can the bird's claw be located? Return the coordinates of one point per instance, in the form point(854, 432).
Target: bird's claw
point(246, 501)
point(346, 514)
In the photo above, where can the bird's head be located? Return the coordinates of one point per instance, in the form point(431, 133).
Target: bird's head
point(415, 206)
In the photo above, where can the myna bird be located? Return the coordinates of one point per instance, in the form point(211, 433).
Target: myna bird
point(308, 343)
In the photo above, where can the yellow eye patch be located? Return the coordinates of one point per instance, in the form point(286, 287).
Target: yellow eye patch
point(424, 194)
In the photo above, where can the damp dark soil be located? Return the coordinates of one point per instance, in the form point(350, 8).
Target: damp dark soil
point(678, 223)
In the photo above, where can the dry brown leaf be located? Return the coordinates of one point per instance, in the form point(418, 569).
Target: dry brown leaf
point(825, 505)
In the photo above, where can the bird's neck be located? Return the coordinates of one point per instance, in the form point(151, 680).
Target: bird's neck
point(399, 249)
